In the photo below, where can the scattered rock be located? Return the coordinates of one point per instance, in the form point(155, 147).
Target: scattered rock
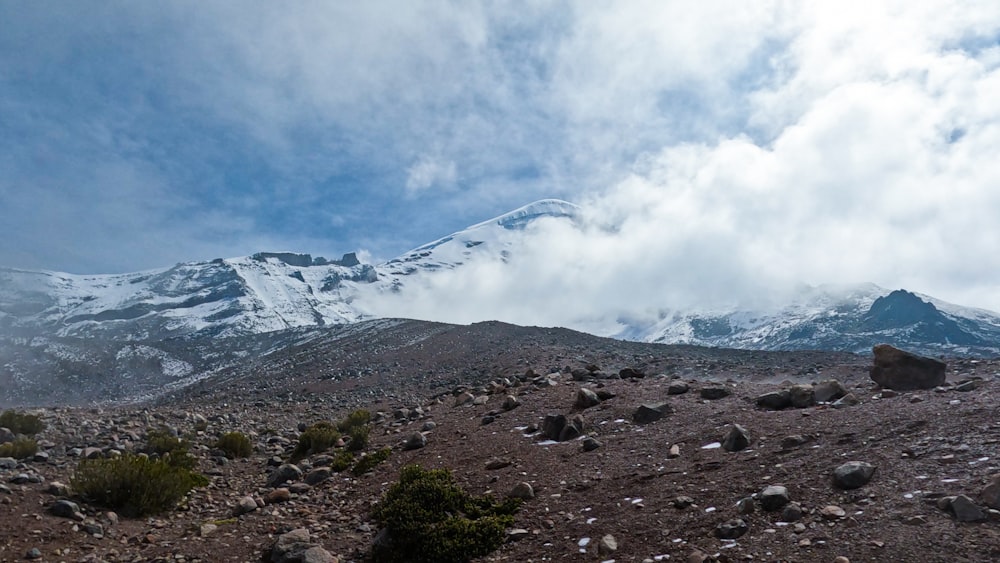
point(736, 439)
point(523, 490)
point(585, 398)
point(552, 426)
point(647, 413)
point(510, 403)
point(853, 474)
point(896, 369)
point(574, 429)
point(608, 545)
point(65, 509)
point(832, 512)
point(631, 373)
point(245, 505)
point(802, 396)
point(682, 502)
point(678, 388)
point(497, 463)
point(318, 475)
point(829, 391)
point(715, 393)
point(296, 547)
point(848, 400)
point(965, 510)
point(464, 399)
point(730, 530)
point(775, 400)
point(590, 444)
point(774, 497)
point(745, 506)
point(277, 496)
point(283, 474)
point(415, 441)
point(991, 494)
point(792, 512)
point(794, 441)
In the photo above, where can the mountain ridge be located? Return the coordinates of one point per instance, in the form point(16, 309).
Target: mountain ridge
point(129, 325)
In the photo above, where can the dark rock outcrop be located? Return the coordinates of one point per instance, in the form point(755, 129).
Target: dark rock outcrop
point(902, 371)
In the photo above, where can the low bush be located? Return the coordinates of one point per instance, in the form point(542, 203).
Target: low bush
point(342, 462)
point(317, 438)
point(21, 423)
point(358, 438)
point(20, 448)
point(430, 519)
point(367, 463)
point(134, 485)
point(172, 450)
point(235, 444)
point(360, 417)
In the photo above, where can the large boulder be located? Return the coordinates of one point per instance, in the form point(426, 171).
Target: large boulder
point(902, 371)
point(853, 474)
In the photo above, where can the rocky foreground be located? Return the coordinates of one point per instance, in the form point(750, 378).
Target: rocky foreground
point(671, 455)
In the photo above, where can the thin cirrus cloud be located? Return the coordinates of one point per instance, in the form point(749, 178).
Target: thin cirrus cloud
point(720, 150)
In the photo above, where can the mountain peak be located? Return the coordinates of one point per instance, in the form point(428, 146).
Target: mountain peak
point(522, 216)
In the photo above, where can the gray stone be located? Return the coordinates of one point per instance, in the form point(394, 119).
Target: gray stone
point(608, 545)
point(6, 436)
point(64, 509)
point(775, 400)
point(318, 475)
point(682, 502)
point(745, 506)
point(678, 388)
point(853, 474)
point(829, 391)
point(965, 386)
point(802, 396)
point(715, 393)
point(895, 369)
point(523, 490)
point(245, 505)
point(774, 497)
point(647, 413)
point(464, 399)
point(8, 463)
point(965, 510)
point(510, 403)
point(585, 398)
point(794, 441)
point(552, 426)
point(991, 494)
point(792, 512)
point(848, 400)
point(736, 439)
point(283, 474)
point(731, 529)
point(590, 444)
point(574, 429)
point(33, 553)
point(415, 441)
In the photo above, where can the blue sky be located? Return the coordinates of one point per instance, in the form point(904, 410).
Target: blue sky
point(853, 142)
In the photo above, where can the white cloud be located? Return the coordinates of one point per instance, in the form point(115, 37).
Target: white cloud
point(427, 172)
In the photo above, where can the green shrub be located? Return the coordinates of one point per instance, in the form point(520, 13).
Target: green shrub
point(317, 438)
point(430, 519)
point(134, 485)
point(163, 442)
point(359, 437)
point(20, 423)
point(235, 444)
point(342, 461)
point(367, 463)
point(360, 417)
point(172, 450)
point(20, 448)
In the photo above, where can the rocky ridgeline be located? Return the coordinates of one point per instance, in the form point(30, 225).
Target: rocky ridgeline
point(619, 465)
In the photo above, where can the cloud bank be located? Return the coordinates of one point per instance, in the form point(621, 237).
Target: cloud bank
point(719, 150)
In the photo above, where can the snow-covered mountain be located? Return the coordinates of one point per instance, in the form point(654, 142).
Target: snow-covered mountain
point(845, 318)
point(161, 327)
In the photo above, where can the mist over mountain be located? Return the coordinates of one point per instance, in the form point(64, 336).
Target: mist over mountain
point(137, 333)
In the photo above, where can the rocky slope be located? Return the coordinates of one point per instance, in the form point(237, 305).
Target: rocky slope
point(626, 490)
